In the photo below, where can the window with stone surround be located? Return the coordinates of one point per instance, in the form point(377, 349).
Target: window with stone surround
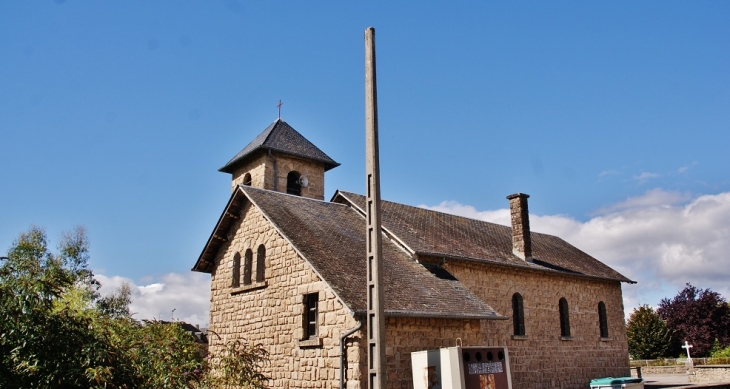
point(602, 319)
point(292, 183)
point(247, 179)
point(247, 264)
point(236, 281)
point(260, 263)
point(564, 318)
point(311, 309)
point(518, 315)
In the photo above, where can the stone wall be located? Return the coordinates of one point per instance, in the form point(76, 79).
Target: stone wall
point(261, 169)
point(674, 369)
point(406, 335)
point(710, 373)
point(271, 313)
point(543, 358)
point(256, 167)
point(313, 170)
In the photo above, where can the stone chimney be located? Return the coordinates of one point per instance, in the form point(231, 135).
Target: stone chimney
point(521, 243)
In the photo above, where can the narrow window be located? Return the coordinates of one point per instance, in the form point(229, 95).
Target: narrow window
point(236, 281)
point(311, 302)
point(247, 179)
point(248, 258)
point(260, 263)
point(518, 315)
point(564, 318)
point(602, 319)
point(292, 184)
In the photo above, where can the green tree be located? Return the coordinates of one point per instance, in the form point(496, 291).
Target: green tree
point(718, 352)
point(116, 305)
point(43, 342)
point(57, 332)
point(648, 335)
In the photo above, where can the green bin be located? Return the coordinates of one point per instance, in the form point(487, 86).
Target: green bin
point(617, 383)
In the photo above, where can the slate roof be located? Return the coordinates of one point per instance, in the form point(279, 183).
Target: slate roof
point(331, 237)
point(426, 232)
point(281, 137)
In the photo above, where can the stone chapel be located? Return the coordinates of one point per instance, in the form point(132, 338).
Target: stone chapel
point(288, 271)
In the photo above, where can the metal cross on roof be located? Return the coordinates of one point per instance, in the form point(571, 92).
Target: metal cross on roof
point(279, 106)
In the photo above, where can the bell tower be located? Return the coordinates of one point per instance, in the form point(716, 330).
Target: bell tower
point(282, 160)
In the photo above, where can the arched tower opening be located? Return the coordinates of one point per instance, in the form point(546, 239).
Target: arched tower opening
point(293, 184)
point(282, 160)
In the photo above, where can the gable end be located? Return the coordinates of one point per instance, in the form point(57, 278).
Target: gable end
point(219, 236)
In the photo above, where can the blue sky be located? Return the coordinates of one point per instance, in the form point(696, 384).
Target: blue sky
point(116, 116)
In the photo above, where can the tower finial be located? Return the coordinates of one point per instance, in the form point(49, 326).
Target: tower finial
point(279, 106)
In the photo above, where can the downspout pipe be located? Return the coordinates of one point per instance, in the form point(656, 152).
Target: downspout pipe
point(343, 352)
point(276, 172)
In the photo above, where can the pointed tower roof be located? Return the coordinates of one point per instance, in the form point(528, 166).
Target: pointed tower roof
point(281, 137)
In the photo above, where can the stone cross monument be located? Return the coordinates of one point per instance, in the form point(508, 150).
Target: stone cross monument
point(689, 358)
point(374, 245)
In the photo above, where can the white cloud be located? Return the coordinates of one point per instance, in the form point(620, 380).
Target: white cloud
point(644, 176)
point(500, 216)
point(683, 169)
point(652, 198)
point(607, 173)
point(660, 239)
point(188, 294)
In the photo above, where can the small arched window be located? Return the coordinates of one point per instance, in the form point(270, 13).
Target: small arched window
point(247, 179)
point(260, 263)
point(602, 319)
point(518, 315)
point(564, 318)
point(236, 281)
point(247, 263)
point(292, 183)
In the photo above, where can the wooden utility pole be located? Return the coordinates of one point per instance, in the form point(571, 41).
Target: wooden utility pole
point(374, 248)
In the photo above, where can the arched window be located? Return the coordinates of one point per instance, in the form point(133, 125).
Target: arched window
point(248, 259)
point(236, 281)
point(247, 179)
point(292, 183)
point(564, 318)
point(602, 319)
point(518, 315)
point(260, 263)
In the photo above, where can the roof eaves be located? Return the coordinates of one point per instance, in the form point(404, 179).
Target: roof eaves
point(228, 167)
point(214, 240)
point(329, 164)
point(437, 315)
